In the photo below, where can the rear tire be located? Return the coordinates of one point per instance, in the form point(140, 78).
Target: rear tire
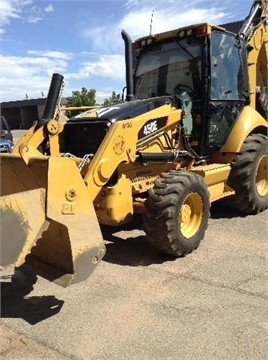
point(248, 176)
point(177, 212)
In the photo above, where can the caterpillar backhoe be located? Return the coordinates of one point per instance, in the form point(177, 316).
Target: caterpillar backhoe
point(192, 130)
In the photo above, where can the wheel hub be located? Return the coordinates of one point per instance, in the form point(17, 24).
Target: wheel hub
point(190, 216)
point(185, 214)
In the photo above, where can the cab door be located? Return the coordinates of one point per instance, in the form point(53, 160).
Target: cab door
point(228, 87)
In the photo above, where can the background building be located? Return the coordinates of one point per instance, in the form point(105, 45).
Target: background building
point(21, 114)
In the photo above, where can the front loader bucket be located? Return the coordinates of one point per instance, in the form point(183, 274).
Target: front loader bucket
point(47, 219)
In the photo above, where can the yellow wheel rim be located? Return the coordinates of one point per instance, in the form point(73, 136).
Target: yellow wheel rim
point(261, 176)
point(190, 216)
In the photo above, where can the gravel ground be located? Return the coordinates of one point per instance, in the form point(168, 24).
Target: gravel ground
point(140, 305)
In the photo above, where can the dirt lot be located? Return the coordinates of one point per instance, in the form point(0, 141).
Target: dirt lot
point(141, 305)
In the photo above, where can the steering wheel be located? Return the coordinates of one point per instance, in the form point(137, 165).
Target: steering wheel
point(183, 87)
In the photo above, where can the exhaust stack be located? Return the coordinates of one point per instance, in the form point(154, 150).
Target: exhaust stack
point(129, 72)
point(52, 97)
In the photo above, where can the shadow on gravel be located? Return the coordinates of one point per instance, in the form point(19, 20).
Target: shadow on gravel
point(127, 245)
point(123, 248)
point(16, 304)
point(220, 210)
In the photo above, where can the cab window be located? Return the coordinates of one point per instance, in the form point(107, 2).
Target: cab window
point(227, 81)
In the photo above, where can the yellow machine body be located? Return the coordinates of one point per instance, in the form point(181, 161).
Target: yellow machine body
point(53, 200)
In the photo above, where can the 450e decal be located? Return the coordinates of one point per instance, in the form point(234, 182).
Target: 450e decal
point(151, 126)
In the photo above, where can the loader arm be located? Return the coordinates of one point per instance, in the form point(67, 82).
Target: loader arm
point(122, 143)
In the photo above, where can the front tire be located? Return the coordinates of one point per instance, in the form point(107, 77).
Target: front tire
point(248, 176)
point(177, 212)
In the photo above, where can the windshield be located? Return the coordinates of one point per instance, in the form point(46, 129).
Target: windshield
point(163, 68)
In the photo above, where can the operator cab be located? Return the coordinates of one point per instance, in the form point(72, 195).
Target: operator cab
point(202, 68)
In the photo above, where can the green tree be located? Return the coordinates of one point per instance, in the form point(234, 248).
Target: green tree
point(113, 99)
point(84, 97)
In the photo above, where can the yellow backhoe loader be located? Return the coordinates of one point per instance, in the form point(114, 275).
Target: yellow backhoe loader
point(192, 130)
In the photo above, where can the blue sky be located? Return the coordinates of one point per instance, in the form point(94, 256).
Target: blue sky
point(82, 39)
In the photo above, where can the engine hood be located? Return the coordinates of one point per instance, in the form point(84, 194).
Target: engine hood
point(125, 110)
